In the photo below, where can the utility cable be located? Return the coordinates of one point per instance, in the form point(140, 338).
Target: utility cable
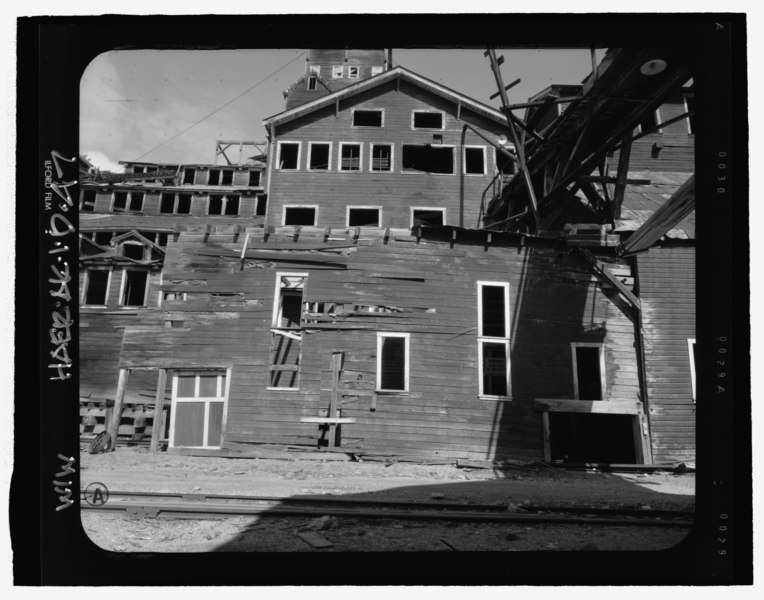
point(207, 116)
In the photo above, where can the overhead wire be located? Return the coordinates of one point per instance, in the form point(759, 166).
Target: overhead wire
point(217, 110)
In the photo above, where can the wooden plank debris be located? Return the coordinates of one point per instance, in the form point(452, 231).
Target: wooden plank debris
point(314, 539)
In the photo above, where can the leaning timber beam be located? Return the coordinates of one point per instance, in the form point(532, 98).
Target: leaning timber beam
point(498, 147)
point(116, 415)
point(676, 208)
point(621, 176)
point(617, 283)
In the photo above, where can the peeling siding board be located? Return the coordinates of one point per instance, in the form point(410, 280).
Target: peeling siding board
point(553, 300)
point(667, 288)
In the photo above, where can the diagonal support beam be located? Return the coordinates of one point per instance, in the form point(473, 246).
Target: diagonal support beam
point(621, 176)
point(600, 267)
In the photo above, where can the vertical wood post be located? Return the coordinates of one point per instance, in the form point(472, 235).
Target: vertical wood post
point(547, 437)
point(158, 425)
point(333, 398)
point(116, 416)
point(622, 174)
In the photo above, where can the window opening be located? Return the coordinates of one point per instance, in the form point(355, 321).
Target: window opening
point(363, 217)
point(428, 159)
point(198, 408)
point(136, 201)
point(88, 201)
point(288, 155)
point(227, 177)
point(428, 217)
point(392, 361)
point(367, 118)
point(300, 215)
point(381, 157)
point(188, 176)
point(588, 372)
point(213, 177)
point(184, 204)
point(261, 204)
point(96, 287)
point(428, 120)
point(337, 71)
point(167, 203)
point(120, 201)
point(474, 161)
point(319, 157)
point(353, 72)
point(215, 205)
point(649, 121)
point(350, 157)
point(134, 292)
point(493, 339)
point(254, 178)
point(312, 83)
point(102, 238)
point(286, 337)
point(134, 251)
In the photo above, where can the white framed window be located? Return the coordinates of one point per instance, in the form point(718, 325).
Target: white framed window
point(288, 156)
point(95, 287)
point(368, 117)
point(134, 288)
point(127, 201)
point(363, 216)
point(693, 359)
point(300, 214)
point(474, 160)
point(199, 406)
point(427, 119)
point(319, 156)
point(381, 158)
point(493, 339)
point(337, 71)
point(376, 70)
point(354, 72)
point(392, 362)
point(427, 215)
point(286, 334)
point(314, 69)
point(589, 381)
point(351, 157)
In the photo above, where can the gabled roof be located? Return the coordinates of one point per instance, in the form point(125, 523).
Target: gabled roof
point(372, 82)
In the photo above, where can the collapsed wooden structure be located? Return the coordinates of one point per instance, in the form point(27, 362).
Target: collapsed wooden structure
point(414, 273)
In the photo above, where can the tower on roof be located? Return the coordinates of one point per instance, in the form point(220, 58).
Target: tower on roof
point(327, 71)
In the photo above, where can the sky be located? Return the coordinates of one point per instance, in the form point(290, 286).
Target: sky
point(172, 105)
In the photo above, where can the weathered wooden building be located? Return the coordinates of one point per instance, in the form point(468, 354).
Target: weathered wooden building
point(388, 299)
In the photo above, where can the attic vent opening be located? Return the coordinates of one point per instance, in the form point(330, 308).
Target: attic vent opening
point(428, 159)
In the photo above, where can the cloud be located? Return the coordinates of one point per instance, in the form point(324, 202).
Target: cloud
point(103, 162)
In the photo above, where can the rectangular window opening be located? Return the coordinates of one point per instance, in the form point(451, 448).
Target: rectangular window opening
point(319, 157)
point(232, 205)
point(227, 177)
point(288, 155)
point(260, 204)
point(188, 176)
point(134, 292)
point(693, 365)
point(474, 161)
point(213, 177)
point(354, 72)
point(588, 372)
point(215, 205)
point(428, 159)
point(367, 118)
point(392, 362)
point(103, 238)
point(286, 338)
point(184, 204)
point(337, 71)
point(300, 215)
point(96, 287)
point(312, 83)
point(167, 203)
point(120, 201)
point(363, 217)
point(428, 120)
point(493, 339)
point(198, 406)
point(254, 178)
point(433, 217)
point(136, 201)
point(88, 201)
point(381, 157)
point(350, 157)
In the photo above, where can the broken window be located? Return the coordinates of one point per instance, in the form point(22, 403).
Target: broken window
point(392, 362)
point(474, 160)
point(367, 118)
point(134, 288)
point(226, 177)
point(428, 216)
point(337, 71)
point(493, 338)
point(96, 286)
point(588, 371)
point(137, 169)
point(319, 156)
point(354, 72)
point(188, 175)
point(289, 155)
point(128, 202)
point(693, 360)
point(87, 204)
point(103, 238)
point(360, 216)
point(254, 178)
point(427, 119)
point(428, 159)
point(350, 157)
point(381, 157)
point(286, 335)
point(198, 405)
point(133, 250)
point(120, 202)
point(300, 215)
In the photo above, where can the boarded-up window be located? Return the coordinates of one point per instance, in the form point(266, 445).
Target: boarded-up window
point(300, 215)
point(96, 286)
point(428, 159)
point(474, 161)
point(319, 157)
point(493, 338)
point(587, 362)
point(289, 153)
point(350, 157)
point(367, 118)
point(363, 217)
point(381, 157)
point(134, 291)
point(428, 120)
point(216, 205)
point(392, 361)
point(428, 216)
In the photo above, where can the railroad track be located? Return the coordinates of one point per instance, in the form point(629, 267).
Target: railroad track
point(205, 506)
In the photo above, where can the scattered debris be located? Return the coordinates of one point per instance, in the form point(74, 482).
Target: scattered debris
point(324, 523)
point(449, 545)
point(314, 539)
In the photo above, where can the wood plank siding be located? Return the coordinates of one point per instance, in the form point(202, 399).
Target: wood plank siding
point(667, 289)
point(427, 289)
point(398, 190)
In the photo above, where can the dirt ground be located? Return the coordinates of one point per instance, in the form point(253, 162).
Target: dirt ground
point(135, 469)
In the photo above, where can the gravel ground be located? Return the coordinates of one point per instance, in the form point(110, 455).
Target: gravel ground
point(130, 469)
